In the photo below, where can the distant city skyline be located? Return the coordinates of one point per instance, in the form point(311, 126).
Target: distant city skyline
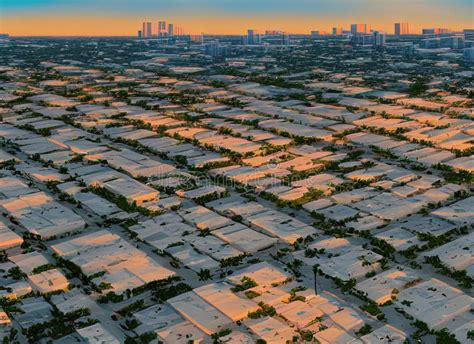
point(121, 17)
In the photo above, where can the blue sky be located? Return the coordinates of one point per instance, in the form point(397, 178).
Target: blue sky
point(318, 14)
point(242, 6)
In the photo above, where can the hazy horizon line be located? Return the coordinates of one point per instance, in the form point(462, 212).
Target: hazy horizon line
point(201, 34)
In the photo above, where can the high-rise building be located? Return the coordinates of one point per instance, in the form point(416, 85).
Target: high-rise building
point(285, 39)
point(401, 29)
point(171, 30)
point(379, 38)
point(469, 34)
point(337, 31)
point(162, 29)
point(363, 39)
point(469, 54)
point(435, 31)
point(250, 34)
point(178, 31)
point(146, 30)
point(140, 34)
point(357, 29)
point(253, 37)
point(214, 49)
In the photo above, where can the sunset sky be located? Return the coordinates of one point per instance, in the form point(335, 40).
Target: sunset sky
point(124, 17)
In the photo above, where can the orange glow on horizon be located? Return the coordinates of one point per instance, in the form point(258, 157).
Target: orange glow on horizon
point(86, 25)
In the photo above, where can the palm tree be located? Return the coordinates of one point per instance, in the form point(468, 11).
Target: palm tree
point(315, 271)
point(204, 275)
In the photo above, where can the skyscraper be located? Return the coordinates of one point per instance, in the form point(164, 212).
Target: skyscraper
point(146, 30)
point(250, 33)
point(253, 37)
point(401, 29)
point(178, 31)
point(360, 29)
point(171, 30)
point(379, 38)
point(162, 29)
point(214, 49)
point(337, 31)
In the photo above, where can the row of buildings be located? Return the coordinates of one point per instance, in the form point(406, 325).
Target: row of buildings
point(159, 29)
point(164, 29)
point(153, 194)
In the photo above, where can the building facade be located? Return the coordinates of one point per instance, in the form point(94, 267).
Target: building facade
point(401, 29)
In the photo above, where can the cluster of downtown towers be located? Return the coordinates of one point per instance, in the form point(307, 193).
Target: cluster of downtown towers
point(160, 29)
